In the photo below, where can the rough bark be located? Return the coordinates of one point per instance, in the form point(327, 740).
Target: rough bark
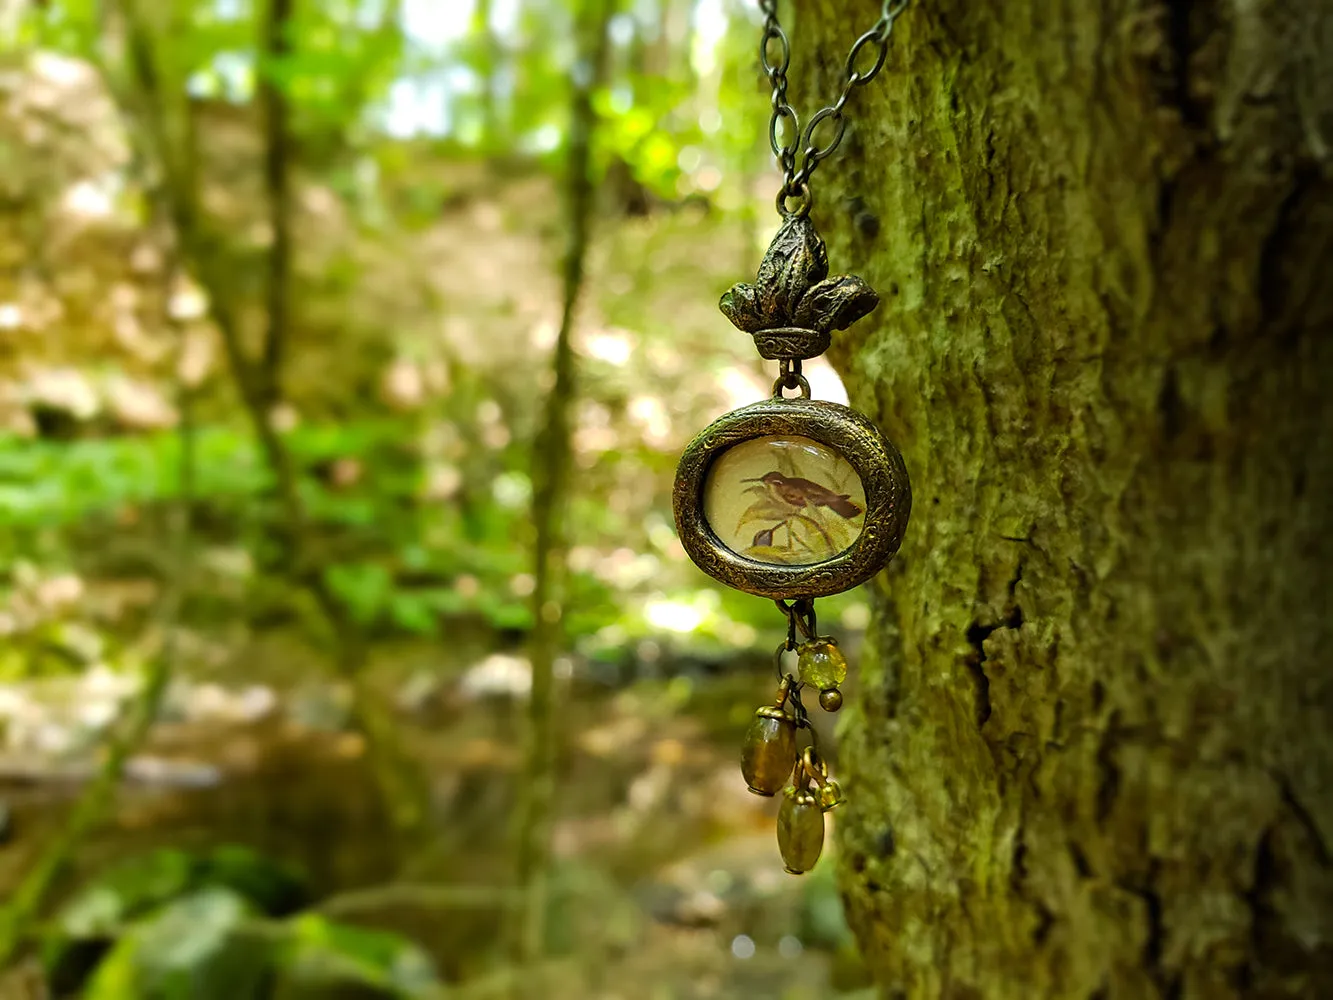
point(1091, 752)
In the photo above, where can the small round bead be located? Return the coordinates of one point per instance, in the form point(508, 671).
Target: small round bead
point(830, 700)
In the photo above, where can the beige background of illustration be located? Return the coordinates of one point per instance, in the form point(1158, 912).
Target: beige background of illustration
point(765, 520)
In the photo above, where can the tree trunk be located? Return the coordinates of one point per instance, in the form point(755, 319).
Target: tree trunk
point(1091, 753)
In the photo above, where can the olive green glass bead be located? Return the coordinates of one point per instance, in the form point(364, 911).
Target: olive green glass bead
point(769, 751)
point(821, 664)
point(800, 830)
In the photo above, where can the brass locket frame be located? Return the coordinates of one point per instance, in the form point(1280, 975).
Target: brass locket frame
point(872, 456)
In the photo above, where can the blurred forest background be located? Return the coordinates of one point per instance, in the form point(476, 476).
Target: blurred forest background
point(335, 338)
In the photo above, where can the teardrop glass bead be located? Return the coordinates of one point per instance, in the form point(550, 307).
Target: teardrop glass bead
point(821, 664)
point(800, 830)
point(769, 751)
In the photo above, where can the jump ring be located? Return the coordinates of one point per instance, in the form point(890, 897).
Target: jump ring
point(792, 382)
point(813, 765)
point(802, 194)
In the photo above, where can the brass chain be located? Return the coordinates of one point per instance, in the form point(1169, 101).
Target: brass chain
point(796, 175)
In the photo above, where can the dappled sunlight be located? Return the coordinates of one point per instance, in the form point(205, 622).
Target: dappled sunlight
point(89, 200)
point(676, 616)
point(615, 347)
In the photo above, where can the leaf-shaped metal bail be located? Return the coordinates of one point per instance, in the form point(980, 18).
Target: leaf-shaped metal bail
point(796, 259)
point(740, 304)
point(836, 303)
point(793, 304)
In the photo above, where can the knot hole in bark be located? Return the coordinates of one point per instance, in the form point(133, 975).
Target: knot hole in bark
point(977, 634)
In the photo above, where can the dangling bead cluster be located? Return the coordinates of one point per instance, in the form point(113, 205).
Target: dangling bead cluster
point(770, 760)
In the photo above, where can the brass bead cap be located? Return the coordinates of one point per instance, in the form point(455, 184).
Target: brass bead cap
point(830, 796)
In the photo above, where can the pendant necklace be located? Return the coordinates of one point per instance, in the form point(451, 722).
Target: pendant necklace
point(793, 498)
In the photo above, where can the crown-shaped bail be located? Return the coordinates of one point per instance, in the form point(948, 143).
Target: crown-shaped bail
point(794, 305)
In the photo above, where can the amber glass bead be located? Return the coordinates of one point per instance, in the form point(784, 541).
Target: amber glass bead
point(821, 664)
point(769, 751)
point(800, 830)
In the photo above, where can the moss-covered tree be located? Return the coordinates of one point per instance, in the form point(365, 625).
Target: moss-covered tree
point(1091, 752)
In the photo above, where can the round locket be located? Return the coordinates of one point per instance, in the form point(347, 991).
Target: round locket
point(791, 498)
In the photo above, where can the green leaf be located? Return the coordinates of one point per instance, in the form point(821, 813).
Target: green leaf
point(319, 953)
point(766, 509)
point(197, 948)
point(365, 587)
point(275, 888)
point(413, 612)
point(126, 891)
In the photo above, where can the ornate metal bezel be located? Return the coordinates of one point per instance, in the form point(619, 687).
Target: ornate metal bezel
point(877, 462)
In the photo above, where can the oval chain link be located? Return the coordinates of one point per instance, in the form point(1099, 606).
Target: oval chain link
point(799, 153)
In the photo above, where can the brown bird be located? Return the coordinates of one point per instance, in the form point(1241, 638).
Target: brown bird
point(799, 492)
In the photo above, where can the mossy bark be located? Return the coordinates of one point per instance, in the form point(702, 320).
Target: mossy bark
point(1090, 754)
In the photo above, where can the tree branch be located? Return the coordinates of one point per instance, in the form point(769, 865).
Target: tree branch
point(550, 475)
point(277, 181)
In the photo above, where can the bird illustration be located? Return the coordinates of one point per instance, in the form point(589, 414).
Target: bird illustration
point(798, 492)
